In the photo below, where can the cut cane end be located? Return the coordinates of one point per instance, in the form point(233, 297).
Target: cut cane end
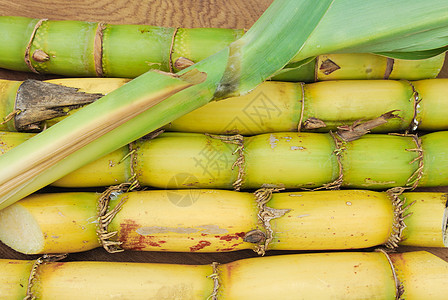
point(20, 231)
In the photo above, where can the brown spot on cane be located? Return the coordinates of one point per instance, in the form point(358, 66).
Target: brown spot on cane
point(151, 243)
point(241, 234)
point(328, 66)
point(199, 246)
point(183, 63)
point(229, 237)
point(313, 123)
point(130, 239)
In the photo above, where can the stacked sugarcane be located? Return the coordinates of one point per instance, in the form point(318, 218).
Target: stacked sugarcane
point(273, 162)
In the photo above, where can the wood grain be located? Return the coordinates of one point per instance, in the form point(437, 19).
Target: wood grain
point(172, 13)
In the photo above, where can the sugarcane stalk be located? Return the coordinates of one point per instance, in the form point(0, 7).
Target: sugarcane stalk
point(231, 72)
point(430, 104)
point(271, 107)
point(353, 275)
point(415, 223)
point(277, 106)
point(99, 49)
point(278, 160)
point(410, 263)
point(343, 66)
point(223, 221)
point(131, 50)
point(285, 160)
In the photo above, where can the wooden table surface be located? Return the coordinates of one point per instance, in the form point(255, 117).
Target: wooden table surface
point(172, 13)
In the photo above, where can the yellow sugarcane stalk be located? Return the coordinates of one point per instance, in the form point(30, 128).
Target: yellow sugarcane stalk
point(222, 221)
point(353, 275)
point(366, 66)
point(429, 267)
point(272, 107)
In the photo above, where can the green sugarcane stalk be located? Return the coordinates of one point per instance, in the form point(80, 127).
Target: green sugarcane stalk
point(91, 48)
point(379, 106)
point(363, 66)
point(75, 48)
point(264, 50)
point(278, 160)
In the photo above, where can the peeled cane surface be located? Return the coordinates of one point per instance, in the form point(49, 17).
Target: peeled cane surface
point(353, 275)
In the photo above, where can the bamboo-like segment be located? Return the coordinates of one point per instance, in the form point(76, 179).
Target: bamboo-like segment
point(354, 275)
point(100, 280)
point(366, 66)
point(70, 47)
point(416, 221)
point(424, 264)
point(222, 221)
point(272, 107)
point(75, 48)
point(430, 108)
point(282, 160)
